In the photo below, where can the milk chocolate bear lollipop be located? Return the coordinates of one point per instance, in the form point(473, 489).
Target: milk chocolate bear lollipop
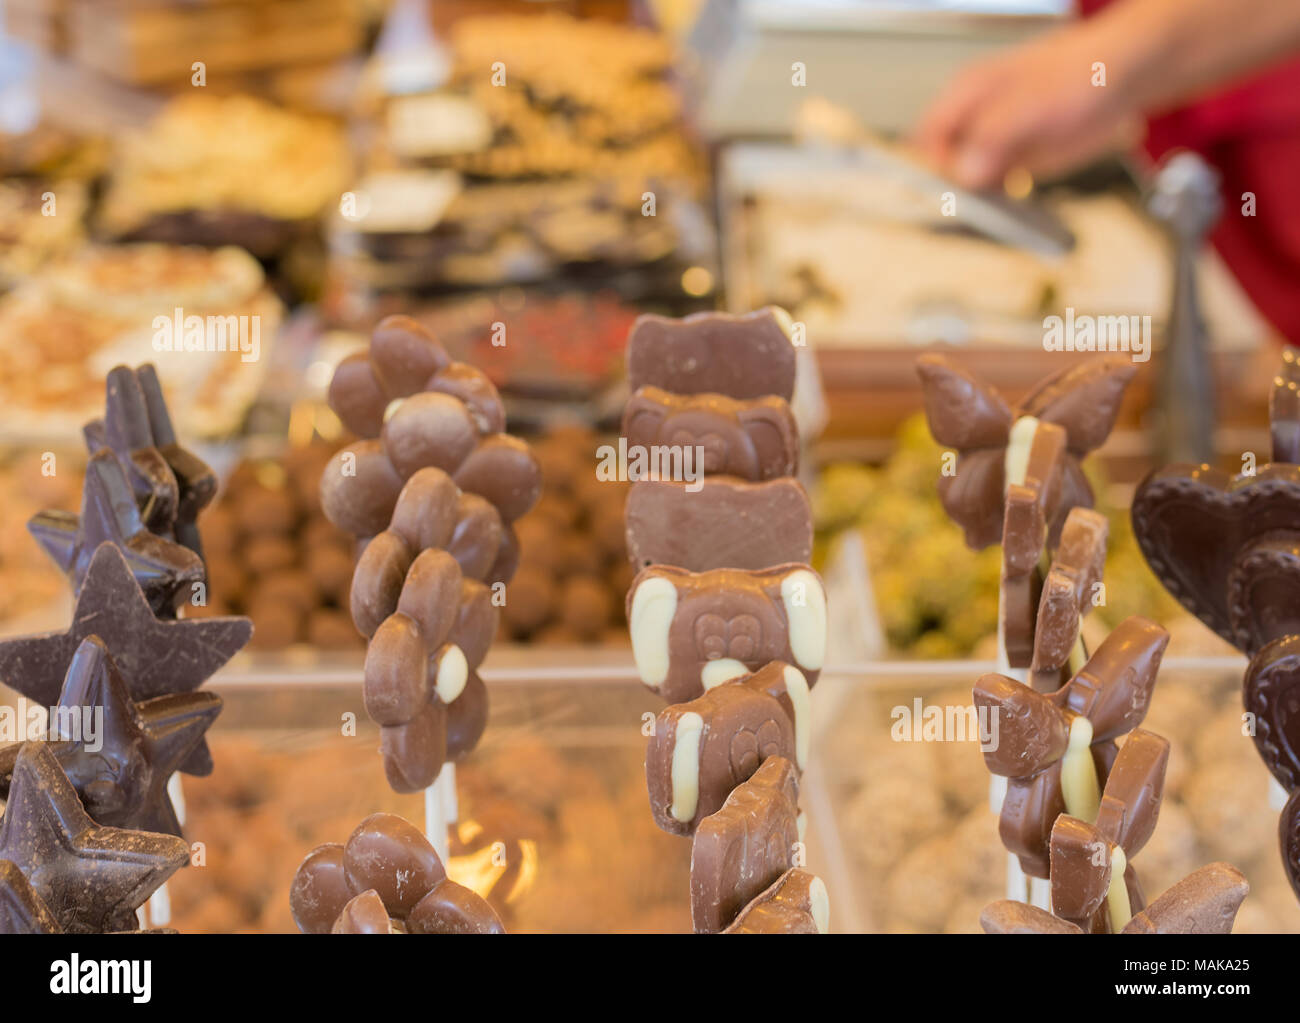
point(1057, 749)
point(416, 408)
point(387, 878)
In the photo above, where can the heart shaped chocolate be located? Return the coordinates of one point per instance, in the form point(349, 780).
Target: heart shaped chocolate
point(1225, 546)
point(1288, 833)
point(1271, 692)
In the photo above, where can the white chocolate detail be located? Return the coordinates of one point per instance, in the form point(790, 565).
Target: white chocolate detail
point(805, 615)
point(819, 902)
point(801, 823)
point(1079, 773)
point(1117, 903)
point(796, 687)
point(653, 605)
point(391, 408)
point(1019, 442)
point(783, 320)
point(452, 673)
point(724, 669)
point(1078, 655)
point(686, 766)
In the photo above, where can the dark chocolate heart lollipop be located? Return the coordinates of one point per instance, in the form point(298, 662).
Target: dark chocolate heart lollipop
point(156, 657)
point(120, 763)
point(92, 878)
point(1288, 832)
point(164, 570)
point(1271, 692)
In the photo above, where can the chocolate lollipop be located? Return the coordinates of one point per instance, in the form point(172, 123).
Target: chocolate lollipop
point(387, 865)
point(155, 657)
point(746, 846)
point(692, 631)
point(171, 483)
point(1057, 748)
point(165, 571)
point(91, 878)
point(1067, 594)
point(701, 750)
point(968, 415)
point(121, 772)
point(415, 408)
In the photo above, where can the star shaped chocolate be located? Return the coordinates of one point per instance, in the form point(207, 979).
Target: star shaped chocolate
point(91, 878)
point(171, 484)
point(120, 764)
point(156, 657)
point(164, 570)
point(21, 909)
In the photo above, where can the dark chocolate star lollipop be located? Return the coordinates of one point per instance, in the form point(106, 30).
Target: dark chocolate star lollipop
point(172, 484)
point(164, 570)
point(156, 657)
point(91, 878)
point(21, 909)
point(120, 766)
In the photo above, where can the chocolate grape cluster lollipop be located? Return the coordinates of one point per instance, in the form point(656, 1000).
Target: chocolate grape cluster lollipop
point(727, 619)
point(386, 879)
point(1228, 549)
point(1095, 888)
point(431, 491)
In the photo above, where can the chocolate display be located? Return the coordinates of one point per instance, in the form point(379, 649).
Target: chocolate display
point(966, 414)
point(754, 439)
point(448, 415)
point(388, 865)
point(748, 356)
point(1057, 749)
point(121, 771)
point(797, 903)
point(700, 751)
point(692, 631)
point(726, 523)
point(156, 657)
point(91, 878)
point(745, 847)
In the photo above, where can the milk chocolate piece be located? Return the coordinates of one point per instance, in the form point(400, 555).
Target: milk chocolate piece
point(155, 657)
point(165, 571)
point(365, 914)
point(21, 909)
point(430, 594)
point(756, 439)
point(1032, 730)
point(1010, 917)
point(429, 429)
point(91, 878)
point(701, 750)
point(356, 397)
point(1130, 802)
point(467, 718)
point(415, 750)
point(476, 540)
point(427, 510)
point(747, 356)
point(1031, 504)
point(1204, 902)
point(966, 414)
point(1271, 692)
point(744, 847)
point(451, 908)
point(1056, 630)
point(404, 354)
point(1082, 551)
point(1113, 689)
point(1081, 870)
point(1029, 809)
point(396, 686)
point(796, 903)
point(121, 770)
point(693, 630)
point(1226, 547)
point(1288, 833)
point(1284, 410)
point(386, 871)
point(502, 469)
point(319, 890)
point(359, 488)
point(472, 387)
point(377, 581)
point(726, 523)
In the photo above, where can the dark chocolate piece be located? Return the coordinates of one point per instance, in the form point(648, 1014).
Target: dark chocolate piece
point(120, 764)
point(726, 523)
point(755, 439)
point(165, 571)
point(21, 909)
point(1271, 692)
point(1288, 833)
point(796, 903)
point(92, 878)
point(156, 657)
point(747, 356)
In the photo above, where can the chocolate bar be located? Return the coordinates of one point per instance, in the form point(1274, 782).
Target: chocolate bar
point(755, 439)
point(746, 846)
point(727, 523)
point(701, 750)
point(748, 356)
point(694, 630)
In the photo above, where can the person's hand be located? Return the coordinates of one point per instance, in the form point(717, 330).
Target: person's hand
point(1033, 107)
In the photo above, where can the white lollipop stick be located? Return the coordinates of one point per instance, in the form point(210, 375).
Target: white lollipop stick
point(435, 819)
point(160, 902)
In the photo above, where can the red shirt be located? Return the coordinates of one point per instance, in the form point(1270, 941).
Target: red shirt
point(1250, 132)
